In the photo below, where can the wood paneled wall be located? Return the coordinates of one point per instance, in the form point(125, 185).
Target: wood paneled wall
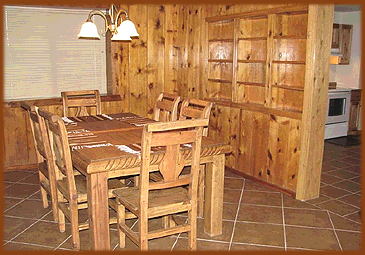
point(171, 55)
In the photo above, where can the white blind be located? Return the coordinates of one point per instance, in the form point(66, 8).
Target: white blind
point(42, 55)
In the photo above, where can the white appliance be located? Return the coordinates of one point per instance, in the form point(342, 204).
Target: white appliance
point(338, 108)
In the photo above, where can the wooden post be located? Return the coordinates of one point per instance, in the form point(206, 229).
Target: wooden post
point(320, 19)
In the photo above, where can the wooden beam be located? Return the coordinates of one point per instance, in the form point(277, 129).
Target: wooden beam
point(320, 19)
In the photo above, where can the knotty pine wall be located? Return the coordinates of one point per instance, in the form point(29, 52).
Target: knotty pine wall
point(170, 55)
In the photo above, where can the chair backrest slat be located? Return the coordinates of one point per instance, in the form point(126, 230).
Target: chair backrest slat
point(195, 108)
point(81, 100)
point(166, 107)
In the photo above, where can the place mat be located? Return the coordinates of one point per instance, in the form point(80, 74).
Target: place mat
point(345, 140)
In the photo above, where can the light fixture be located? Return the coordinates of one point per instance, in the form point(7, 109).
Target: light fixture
point(123, 32)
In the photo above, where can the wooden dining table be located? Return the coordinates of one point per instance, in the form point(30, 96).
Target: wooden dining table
point(109, 145)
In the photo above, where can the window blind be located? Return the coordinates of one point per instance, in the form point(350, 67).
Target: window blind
point(42, 55)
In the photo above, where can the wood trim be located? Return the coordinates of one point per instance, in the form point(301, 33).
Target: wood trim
point(320, 19)
point(270, 185)
point(258, 108)
point(277, 10)
point(21, 167)
point(54, 101)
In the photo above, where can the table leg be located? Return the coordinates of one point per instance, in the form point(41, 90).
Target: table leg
point(98, 208)
point(213, 206)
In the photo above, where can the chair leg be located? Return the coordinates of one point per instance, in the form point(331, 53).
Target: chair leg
point(192, 233)
point(201, 186)
point(121, 220)
point(61, 221)
point(75, 227)
point(143, 233)
point(43, 191)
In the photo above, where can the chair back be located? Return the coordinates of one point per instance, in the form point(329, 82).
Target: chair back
point(39, 131)
point(60, 148)
point(173, 136)
point(81, 100)
point(166, 107)
point(195, 108)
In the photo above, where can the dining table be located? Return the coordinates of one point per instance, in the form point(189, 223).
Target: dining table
point(109, 145)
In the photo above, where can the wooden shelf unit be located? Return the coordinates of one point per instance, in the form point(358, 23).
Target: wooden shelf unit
point(266, 109)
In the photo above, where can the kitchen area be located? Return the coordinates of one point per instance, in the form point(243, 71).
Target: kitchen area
point(343, 119)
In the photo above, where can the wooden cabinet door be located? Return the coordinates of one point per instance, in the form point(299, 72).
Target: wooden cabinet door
point(336, 37)
point(345, 46)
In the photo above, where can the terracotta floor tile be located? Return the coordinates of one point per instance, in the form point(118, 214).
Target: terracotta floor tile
point(254, 233)
point(327, 178)
point(355, 216)
point(14, 176)
point(333, 192)
point(252, 247)
point(352, 199)
point(261, 198)
point(354, 169)
point(349, 240)
point(260, 214)
point(9, 202)
point(338, 207)
point(342, 173)
point(231, 195)
point(13, 226)
point(294, 203)
point(14, 246)
point(231, 183)
point(182, 244)
point(31, 209)
point(309, 218)
point(348, 185)
point(44, 233)
point(322, 198)
point(229, 211)
point(343, 223)
point(254, 186)
point(21, 190)
point(311, 238)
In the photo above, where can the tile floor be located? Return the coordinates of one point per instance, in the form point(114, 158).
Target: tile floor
point(255, 217)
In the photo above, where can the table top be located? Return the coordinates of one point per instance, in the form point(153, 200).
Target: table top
point(111, 142)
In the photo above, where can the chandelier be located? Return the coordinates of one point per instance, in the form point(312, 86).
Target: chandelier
point(123, 32)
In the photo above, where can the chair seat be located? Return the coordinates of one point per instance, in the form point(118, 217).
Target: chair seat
point(172, 198)
point(81, 187)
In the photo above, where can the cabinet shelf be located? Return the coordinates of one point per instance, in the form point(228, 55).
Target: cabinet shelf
point(220, 40)
point(289, 62)
point(219, 80)
point(289, 37)
point(220, 60)
point(252, 39)
point(283, 86)
point(250, 61)
point(259, 84)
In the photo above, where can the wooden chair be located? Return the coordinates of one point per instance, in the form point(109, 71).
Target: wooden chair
point(71, 189)
point(166, 107)
point(195, 108)
point(191, 109)
point(167, 197)
point(81, 100)
point(47, 181)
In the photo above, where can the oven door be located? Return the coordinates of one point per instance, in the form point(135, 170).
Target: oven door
point(338, 107)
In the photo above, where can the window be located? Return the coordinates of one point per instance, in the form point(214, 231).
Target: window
point(42, 55)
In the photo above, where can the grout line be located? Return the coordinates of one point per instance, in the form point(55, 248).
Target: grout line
point(235, 220)
point(283, 213)
point(64, 241)
point(31, 244)
point(334, 231)
point(21, 201)
point(30, 226)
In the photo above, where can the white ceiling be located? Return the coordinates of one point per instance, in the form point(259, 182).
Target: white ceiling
point(347, 8)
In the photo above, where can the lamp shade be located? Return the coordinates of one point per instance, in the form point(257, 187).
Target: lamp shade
point(88, 30)
point(128, 27)
point(121, 36)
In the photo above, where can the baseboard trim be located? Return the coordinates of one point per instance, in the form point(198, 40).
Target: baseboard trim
point(20, 167)
point(270, 185)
